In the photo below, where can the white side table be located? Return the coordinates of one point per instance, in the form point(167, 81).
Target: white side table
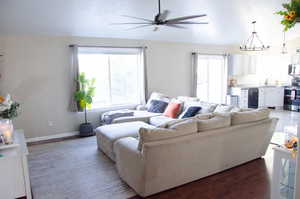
point(14, 174)
point(283, 179)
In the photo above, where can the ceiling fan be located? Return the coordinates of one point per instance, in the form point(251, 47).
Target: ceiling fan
point(161, 20)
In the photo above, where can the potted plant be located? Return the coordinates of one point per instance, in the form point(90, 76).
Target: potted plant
point(8, 108)
point(290, 13)
point(84, 97)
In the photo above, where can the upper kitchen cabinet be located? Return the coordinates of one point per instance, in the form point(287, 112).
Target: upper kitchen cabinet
point(241, 65)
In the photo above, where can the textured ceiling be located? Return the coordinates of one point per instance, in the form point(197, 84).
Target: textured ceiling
point(229, 20)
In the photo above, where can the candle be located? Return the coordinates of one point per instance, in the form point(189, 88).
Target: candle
point(8, 136)
point(6, 129)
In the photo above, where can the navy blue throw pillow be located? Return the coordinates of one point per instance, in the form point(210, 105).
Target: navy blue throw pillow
point(157, 106)
point(191, 111)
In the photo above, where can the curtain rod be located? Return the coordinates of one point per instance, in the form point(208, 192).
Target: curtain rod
point(225, 54)
point(92, 46)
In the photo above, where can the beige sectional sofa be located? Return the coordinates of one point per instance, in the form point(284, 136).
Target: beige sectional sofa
point(153, 159)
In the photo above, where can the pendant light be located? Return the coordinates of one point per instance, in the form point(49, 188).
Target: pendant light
point(253, 43)
point(284, 48)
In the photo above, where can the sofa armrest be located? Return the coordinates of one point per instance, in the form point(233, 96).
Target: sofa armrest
point(130, 163)
point(141, 107)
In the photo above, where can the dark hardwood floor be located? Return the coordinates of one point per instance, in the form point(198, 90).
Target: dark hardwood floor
point(248, 181)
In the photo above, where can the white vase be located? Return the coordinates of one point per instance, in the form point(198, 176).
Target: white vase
point(6, 131)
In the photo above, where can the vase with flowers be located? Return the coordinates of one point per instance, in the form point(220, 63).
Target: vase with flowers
point(290, 13)
point(8, 111)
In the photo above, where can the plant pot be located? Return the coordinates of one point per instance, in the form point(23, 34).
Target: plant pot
point(86, 129)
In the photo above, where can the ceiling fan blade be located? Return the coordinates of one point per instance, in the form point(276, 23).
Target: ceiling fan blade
point(139, 18)
point(163, 16)
point(131, 23)
point(142, 26)
point(175, 26)
point(185, 18)
point(187, 22)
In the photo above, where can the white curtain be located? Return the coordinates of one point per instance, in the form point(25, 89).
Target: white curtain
point(144, 80)
point(74, 73)
point(210, 77)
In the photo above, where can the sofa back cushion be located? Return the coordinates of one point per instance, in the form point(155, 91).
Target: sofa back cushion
point(157, 106)
point(172, 110)
point(237, 109)
point(187, 126)
point(207, 107)
point(221, 108)
point(250, 116)
point(180, 129)
point(218, 120)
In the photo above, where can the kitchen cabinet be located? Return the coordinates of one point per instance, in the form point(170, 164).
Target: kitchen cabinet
point(268, 96)
point(271, 97)
point(240, 65)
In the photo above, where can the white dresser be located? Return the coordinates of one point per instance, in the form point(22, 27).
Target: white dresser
point(14, 174)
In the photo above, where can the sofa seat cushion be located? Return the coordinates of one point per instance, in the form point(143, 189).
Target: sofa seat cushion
point(175, 121)
point(160, 120)
point(156, 134)
point(249, 116)
point(218, 120)
point(108, 134)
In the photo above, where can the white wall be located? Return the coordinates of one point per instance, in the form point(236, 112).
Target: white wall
point(35, 71)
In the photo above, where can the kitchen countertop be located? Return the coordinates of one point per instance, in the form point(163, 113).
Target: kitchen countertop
point(257, 86)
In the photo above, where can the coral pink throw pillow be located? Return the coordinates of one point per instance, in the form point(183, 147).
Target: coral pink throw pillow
point(172, 110)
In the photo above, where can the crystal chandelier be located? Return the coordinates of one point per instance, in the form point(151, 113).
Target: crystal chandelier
point(253, 43)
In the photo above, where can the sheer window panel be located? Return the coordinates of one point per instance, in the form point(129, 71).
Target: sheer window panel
point(211, 78)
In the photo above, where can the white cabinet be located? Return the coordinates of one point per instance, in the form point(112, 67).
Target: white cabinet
point(240, 65)
point(14, 173)
point(271, 97)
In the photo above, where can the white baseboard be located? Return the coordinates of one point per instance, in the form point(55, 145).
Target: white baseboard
point(50, 137)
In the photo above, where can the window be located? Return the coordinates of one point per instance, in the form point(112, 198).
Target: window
point(211, 78)
point(119, 74)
